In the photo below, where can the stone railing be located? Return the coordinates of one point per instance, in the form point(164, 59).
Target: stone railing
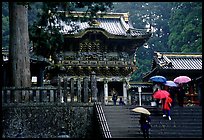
point(36, 94)
point(102, 120)
point(145, 99)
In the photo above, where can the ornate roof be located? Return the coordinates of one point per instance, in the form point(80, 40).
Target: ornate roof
point(178, 61)
point(113, 23)
point(174, 64)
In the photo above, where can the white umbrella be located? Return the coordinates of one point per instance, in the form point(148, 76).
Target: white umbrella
point(141, 110)
point(171, 84)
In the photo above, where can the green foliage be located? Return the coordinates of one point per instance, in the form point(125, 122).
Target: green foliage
point(5, 31)
point(176, 26)
point(186, 27)
point(5, 25)
point(143, 63)
point(157, 15)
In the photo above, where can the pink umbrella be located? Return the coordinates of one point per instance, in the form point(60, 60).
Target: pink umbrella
point(182, 79)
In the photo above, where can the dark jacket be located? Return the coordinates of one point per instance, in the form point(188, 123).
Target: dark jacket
point(114, 97)
point(145, 121)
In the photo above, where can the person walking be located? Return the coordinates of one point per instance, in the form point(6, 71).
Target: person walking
point(156, 87)
point(172, 91)
point(166, 106)
point(121, 102)
point(180, 95)
point(145, 124)
point(114, 96)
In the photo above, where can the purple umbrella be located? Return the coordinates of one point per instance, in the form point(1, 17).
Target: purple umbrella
point(171, 84)
point(182, 79)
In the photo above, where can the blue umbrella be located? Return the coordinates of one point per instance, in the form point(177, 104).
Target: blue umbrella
point(171, 84)
point(158, 78)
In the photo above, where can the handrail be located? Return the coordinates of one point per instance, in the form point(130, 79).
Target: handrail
point(102, 120)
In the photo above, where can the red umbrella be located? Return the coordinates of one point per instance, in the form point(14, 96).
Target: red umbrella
point(160, 94)
point(182, 79)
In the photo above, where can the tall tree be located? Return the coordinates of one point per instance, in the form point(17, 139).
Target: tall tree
point(18, 50)
point(186, 27)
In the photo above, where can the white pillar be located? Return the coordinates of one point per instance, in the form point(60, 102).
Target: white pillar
point(129, 98)
point(125, 92)
point(105, 93)
point(140, 96)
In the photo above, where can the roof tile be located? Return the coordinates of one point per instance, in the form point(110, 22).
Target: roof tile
point(183, 63)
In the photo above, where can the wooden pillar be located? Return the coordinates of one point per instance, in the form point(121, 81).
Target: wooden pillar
point(72, 89)
point(27, 94)
point(57, 96)
point(17, 96)
point(200, 93)
point(8, 96)
point(191, 92)
point(105, 92)
point(37, 96)
point(51, 95)
point(65, 89)
point(40, 77)
point(44, 95)
point(94, 87)
point(31, 95)
point(3, 96)
point(78, 90)
point(86, 90)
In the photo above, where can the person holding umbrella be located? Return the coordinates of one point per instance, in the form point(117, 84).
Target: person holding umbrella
point(181, 95)
point(156, 87)
point(145, 124)
point(181, 92)
point(172, 89)
point(157, 82)
point(166, 106)
point(144, 120)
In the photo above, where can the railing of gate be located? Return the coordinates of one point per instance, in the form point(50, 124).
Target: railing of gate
point(145, 98)
point(102, 121)
point(34, 94)
point(56, 94)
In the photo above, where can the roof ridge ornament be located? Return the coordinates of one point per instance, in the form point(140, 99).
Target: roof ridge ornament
point(124, 24)
point(168, 61)
point(94, 22)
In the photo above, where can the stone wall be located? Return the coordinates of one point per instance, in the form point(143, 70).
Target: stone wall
point(45, 120)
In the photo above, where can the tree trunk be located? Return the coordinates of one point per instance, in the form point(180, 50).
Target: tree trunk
point(18, 49)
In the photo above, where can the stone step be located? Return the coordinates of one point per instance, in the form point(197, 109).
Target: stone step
point(114, 110)
point(138, 134)
point(124, 123)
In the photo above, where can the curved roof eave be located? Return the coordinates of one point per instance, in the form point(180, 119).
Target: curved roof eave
point(107, 34)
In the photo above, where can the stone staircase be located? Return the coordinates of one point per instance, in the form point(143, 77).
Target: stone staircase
point(186, 122)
